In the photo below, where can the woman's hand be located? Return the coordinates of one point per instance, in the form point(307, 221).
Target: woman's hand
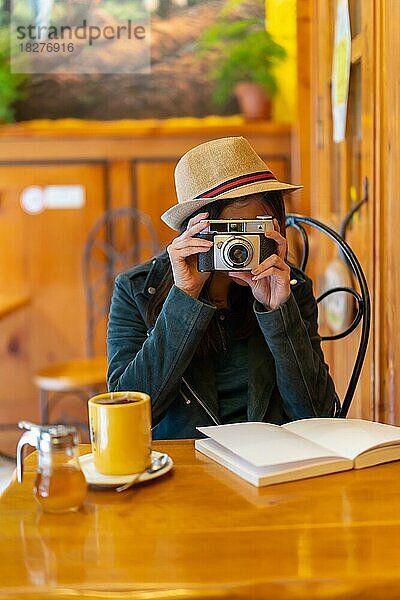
point(182, 253)
point(270, 281)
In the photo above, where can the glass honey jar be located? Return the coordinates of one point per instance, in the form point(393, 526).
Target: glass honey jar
point(60, 485)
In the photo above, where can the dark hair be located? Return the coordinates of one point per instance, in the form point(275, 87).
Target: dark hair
point(240, 297)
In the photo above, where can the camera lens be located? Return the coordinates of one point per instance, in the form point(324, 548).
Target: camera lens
point(238, 254)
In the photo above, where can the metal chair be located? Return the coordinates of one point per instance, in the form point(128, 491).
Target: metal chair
point(363, 312)
point(119, 239)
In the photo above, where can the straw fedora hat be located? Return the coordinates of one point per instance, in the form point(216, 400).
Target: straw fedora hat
point(223, 168)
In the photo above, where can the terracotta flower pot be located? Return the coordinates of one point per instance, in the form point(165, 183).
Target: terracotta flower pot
point(253, 101)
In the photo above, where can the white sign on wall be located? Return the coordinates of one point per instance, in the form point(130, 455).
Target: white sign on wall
point(35, 199)
point(32, 200)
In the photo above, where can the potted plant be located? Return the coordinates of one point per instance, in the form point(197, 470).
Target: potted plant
point(10, 83)
point(241, 57)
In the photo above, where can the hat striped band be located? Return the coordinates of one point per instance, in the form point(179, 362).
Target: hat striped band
point(237, 182)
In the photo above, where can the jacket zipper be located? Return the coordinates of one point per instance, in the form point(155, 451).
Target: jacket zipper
point(222, 335)
point(196, 397)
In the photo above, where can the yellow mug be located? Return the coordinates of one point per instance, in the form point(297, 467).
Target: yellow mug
point(120, 432)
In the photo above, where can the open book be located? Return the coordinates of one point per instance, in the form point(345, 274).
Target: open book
point(264, 454)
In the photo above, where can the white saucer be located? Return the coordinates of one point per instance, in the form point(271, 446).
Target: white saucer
point(95, 478)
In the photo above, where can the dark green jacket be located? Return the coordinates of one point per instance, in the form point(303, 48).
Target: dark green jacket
point(288, 377)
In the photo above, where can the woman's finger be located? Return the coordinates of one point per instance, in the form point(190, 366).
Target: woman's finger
point(281, 274)
point(281, 243)
point(185, 248)
point(189, 250)
point(273, 260)
point(178, 244)
point(193, 230)
point(196, 219)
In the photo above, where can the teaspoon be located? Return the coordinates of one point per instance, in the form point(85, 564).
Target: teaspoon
point(158, 463)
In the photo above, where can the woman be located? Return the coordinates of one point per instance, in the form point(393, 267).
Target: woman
point(219, 347)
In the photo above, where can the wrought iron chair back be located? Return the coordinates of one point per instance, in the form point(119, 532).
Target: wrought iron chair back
point(363, 313)
point(119, 239)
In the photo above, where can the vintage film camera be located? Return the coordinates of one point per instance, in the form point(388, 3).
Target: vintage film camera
point(239, 244)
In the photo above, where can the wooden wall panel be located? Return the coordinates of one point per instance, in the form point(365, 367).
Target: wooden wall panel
point(338, 169)
point(156, 193)
point(388, 210)
point(50, 244)
point(302, 146)
point(120, 183)
point(11, 233)
point(279, 167)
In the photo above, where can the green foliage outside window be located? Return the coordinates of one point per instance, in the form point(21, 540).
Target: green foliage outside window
point(239, 50)
point(10, 83)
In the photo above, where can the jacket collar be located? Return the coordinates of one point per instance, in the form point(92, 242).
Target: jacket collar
point(156, 271)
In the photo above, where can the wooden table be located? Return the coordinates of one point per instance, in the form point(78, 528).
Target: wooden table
point(201, 532)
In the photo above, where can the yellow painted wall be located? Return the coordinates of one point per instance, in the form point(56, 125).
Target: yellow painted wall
point(281, 24)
